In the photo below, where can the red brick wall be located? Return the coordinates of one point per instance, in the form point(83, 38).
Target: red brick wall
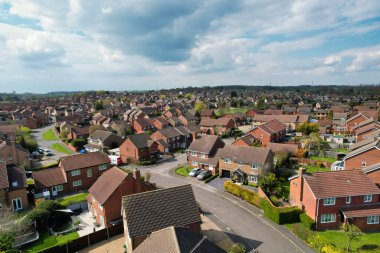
point(265, 139)
point(375, 176)
point(371, 157)
point(361, 222)
point(360, 136)
point(354, 122)
point(308, 201)
point(128, 151)
point(239, 143)
point(87, 182)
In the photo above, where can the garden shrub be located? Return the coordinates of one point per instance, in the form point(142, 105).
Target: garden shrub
point(275, 200)
point(248, 195)
point(301, 231)
point(308, 222)
point(280, 215)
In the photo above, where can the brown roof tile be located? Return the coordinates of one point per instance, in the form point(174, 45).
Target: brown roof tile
point(80, 161)
point(48, 177)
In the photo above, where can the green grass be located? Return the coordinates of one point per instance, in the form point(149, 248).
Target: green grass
point(61, 148)
point(51, 165)
point(338, 239)
point(323, 159)
point(49, 135)
point(73, 199)
point(223, 111)
point(312, 169)
point(183, 171)
point(341, 150)
point(46, 241)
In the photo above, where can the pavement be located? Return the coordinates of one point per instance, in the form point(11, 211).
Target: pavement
point(241, 221)
point(113, 245)
point(37, 135)
point(86, 225)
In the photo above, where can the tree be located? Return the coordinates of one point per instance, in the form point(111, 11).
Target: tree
point(234, 94)
point(200, 106)
point(63, 134)
point(188, 96)
point(307, 128)
point(237, 248)
point(317, 242)
point(352, 232)
point(79, 143)
point(99, 106)
point(314, 142)
point(261, 104)
point(283, 160)
point(269, 184)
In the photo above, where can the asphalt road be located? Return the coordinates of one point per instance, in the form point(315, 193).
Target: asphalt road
point(243, 222)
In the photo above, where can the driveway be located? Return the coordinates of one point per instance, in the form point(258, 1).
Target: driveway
point(218, 183)
point(37, 135)
point(243, 222)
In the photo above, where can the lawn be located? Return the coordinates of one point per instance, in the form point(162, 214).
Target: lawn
point(60, 148)
point(338, 239)
point(49, 135)
point(323, 159)
point(223, 111)
point(183, 171)
point(341, 150)
point(47, 241)
point(73, 199)
point(312, 169)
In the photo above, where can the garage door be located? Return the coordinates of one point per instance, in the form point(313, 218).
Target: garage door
point(226, 173)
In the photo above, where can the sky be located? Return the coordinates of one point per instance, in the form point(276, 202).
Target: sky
point(67, 45)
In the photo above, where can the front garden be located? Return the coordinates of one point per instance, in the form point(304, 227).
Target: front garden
point(183, 170)
point(49, 135)
point(73, 199)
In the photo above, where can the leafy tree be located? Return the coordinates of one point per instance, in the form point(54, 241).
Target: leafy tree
point(27, 142)
point(352, 232)
point(79, 143)
point(6, 241)
point(200, 106)
point(234, 94)
point(188, 96)
point(63, 134)
point(317, 242)
point(283, 160)
point(237, 248)
point(314, 142)
point(99, 106)
point(261, 104)
point(330, 115)
point(307, 128)
point(269, 184)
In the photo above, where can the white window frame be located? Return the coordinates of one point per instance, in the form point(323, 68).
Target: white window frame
point(77, 183)
point(254, 166)
point(328, 218)
point(329, 201)
point(18, 204)
point(348, 199)
point(89, 172)
point(102, 166)
point(193, 153)
point(59, 187)
point(10, 158)
point(194, 163)
point(255, 179)
point(374, 219)
point(227, 160)
point(240, 164)
point(203, 155)
point(75, 173)
point(367, 198)
point(364, 164)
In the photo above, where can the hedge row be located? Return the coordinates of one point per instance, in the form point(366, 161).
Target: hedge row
point(307, 221)
point(249, 196)
point(211, 178)
point(301, 231)
point(280, 215)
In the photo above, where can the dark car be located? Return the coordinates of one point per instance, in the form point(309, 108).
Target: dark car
point(204, 174)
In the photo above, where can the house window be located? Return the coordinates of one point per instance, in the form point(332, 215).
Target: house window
point(194, 163)
point(77, 183)
point(240, 163)
point(59, 187)
point(75, 173)
point(89, 172)
point(327, 218)
point(364, 164)
point(227, 160)
point(373, 220)
point(102, 166)
point(203, 155)
point(254, 166)
point(261, 136)
point(329, 201)
point(368, 198)
point(348, 199)
point(10, 158)
point(193, 153)
point(252, 179)
point(177, 137)
point(16, 204)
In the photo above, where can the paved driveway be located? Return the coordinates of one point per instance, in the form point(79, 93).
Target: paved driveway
point(218, 183)
point(243, 222)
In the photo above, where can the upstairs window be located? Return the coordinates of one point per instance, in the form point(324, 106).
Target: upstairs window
point(102, 166)
point(368, 198)
point(348, 199)
point(329, 201)
point(75, 173)
point(227, 160)
point(254, 166)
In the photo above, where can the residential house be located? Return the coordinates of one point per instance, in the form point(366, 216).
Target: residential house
point(105, 195)
point(291, 121)
point(160, 123)
point(101, 140)
point(141, 125)
point(50, 183)
point(160, 209)
point(354, 121)
point(134, 114)
point(246, 140)
point(272, 131)
point(201, 153)
point(138, 147)
point(78, 132)
point(216, 126)
point(120, 127)
point(10, 152)
point(208, 114)
point(238, 118)
point(244, 163)
point(177, 240)
point(337, 197)
point(188, 119)
point(176, 137)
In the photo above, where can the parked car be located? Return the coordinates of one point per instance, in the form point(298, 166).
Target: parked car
point(204, 174)
point(194, 172)
point(40, 151)
point(47, 152)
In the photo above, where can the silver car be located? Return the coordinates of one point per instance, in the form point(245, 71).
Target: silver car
point(194, 172)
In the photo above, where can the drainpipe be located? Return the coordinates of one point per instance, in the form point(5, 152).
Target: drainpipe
point(316, 218)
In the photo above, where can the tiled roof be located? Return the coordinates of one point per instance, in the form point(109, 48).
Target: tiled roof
point(80, 161)
point(140, 140)
point(283, 148)
point(106, 184)
point(214, 122)
point(151, 211)
point(205, 144)
point(16, 174)
point(48, 177)
point(362, 143)
point(340, 183)
point(176, 240)
point(244, 154)
point(282, 118)
point(375, 144)
point(364, 210)
point(247, 139)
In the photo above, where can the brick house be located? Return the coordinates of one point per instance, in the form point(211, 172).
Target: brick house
point(333, 198)
point(78, 133)
point(104, 199)
point(176, 137)
point(10, 152)
point(246, 140)
point(160, 209)
point(216, 126)
point(143, 124)
point(208, 114)
point(160, 123)
point(272, 131)
point(13, 188)
point(247, 163)
point(137, 147)
point(100, 140)
point(201, 153)
point(50, 183)
point(82, 170)
point(291, 121)
point(354, 121)
point(187, 119)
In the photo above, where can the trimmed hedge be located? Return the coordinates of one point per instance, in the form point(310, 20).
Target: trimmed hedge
point(280, 215)
point(249, 196)
point(211, 178)
point(301, 231)
point(308, 222)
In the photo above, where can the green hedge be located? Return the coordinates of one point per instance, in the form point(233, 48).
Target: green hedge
point(307, 221)
point(249, 196)
point(280, 215)
point(211, 178)
point(301, 231)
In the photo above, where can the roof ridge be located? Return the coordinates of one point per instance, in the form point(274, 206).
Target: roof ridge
point(147, 192)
